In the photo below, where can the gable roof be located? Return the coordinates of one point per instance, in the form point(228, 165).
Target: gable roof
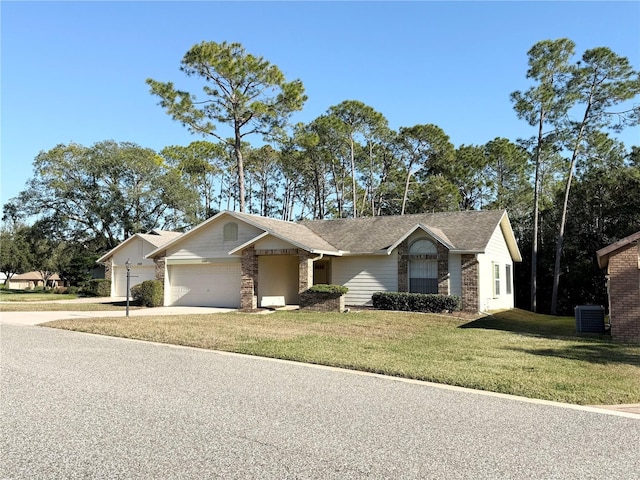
point(294, 233)
point(468, 231)
point(156, 238)
point(604, 253)
point(33, 276)
point(462, 232)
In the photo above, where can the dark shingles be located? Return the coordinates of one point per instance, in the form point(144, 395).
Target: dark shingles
point(470, 230)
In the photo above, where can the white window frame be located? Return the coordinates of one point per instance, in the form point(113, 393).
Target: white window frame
point(508, 279)
point(496, 279)
point(423, 254)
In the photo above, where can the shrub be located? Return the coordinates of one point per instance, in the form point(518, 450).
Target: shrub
point(98, 287)
point(60, 290)
point(149, 293)
point(332, 289)
point(416, 302)
point(74, 290)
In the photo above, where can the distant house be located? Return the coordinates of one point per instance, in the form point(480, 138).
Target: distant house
point(235, 259)
point(32, 280)
point(622, 261)
point(134, 249)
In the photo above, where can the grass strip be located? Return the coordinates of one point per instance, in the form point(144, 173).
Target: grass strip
point(511, 352)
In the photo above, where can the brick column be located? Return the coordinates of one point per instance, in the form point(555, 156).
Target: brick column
point(443, 269)
point(249, 280)
point(403, 267)
point(624, 294)
point(469, 283)
point(305, 271)
point(108, 268)
point(160, 263)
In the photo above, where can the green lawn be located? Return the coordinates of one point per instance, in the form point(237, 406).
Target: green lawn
point(33, 296)
point(513, 352)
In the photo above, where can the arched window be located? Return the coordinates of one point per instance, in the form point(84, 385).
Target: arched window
point(230, 232)
point(423, 267)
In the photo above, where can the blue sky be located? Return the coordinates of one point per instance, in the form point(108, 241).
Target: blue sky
point(75, 71)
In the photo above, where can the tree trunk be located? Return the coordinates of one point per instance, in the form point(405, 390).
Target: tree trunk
point(563, 220)
point(536, 214)
point(240, 165)
point(353, 179)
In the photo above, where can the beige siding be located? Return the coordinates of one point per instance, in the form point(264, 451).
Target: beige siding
point(273, 243)
point(135, 252)
point(209, 242)
point(365, 275)
point(455, 274)
point(496, 253)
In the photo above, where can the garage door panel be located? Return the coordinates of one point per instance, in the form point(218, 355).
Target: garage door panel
point(138, 274)
point(211, 285)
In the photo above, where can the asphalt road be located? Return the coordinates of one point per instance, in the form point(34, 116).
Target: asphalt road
point(81, 406)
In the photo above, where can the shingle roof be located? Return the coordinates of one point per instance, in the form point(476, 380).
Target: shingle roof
point(157, 238)
point(604, 253)
point(461, 231)
point(295, 233)
point(33, 276)
point(468, 231)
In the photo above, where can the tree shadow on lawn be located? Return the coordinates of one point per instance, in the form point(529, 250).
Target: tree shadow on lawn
point(596, 352)
point(593, 347)
point(528, 323)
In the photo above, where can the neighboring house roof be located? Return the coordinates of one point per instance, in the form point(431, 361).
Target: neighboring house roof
point(33, 276)
point(157, 238)
point(464, 232)
point(604, 253)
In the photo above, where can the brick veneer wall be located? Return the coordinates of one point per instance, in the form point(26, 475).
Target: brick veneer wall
point(108, 267)
point(624, 294)
point(403, 267)
point(160, 263)
point(443, 269)
point(249, 280)
point(305, 271)
point(469, 283)
point(322, 302)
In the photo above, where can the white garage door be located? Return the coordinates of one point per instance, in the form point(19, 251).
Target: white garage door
point(210, 285)
point(138, 275)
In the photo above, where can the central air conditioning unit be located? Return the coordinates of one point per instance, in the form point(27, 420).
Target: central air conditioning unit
point(590, 319)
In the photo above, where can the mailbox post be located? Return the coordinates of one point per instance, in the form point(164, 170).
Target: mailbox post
point(128, 265)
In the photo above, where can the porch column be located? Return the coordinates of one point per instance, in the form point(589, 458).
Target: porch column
point(403, 267)
point(108, 275)
point(249, 280)
point(305, 271)
point(160, 262)
point(443, 269)
point(469, 266)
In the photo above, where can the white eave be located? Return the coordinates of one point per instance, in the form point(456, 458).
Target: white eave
point(439, 237)
point(267, 233)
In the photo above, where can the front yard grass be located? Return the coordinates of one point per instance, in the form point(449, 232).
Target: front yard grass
point(512, 352)
point(64, 307)
point(33, 296)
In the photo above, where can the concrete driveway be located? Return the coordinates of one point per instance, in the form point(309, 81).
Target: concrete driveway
point(85, 406)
